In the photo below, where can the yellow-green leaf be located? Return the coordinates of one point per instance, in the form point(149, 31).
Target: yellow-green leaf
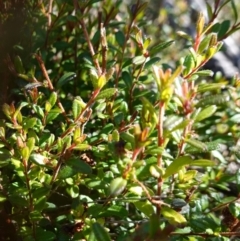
point(176, 165)
point(172, 216)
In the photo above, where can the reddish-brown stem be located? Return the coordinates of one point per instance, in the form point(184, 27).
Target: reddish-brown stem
point(56, 170)
point(151, 199)
point(50, 85)
point(49, 13)
point(160, 144)
point(104, 48)
point(90, 46)
point(197, 42)
point(90, 102)
point(195, 69)
point(135, 154)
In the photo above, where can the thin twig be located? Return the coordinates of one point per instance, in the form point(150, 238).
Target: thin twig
point(50, 85)
point(86, 35)
point(104, 47)
point(149, 197)
point(50, 13)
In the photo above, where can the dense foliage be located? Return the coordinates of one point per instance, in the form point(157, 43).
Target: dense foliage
point(113, 137)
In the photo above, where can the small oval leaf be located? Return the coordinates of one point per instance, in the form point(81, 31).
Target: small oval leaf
point(117, 186)
point(100, 233)
point(65, 78)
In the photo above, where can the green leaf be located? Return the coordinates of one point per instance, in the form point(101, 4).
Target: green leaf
point(213, 100)
point(39, 159)
point(42, 234)
point(210, 87)
point(189, 63)
point(138, 60)
point(209, 10)
point(235, 118)
point(100, 233)
point(154, 150)
point(106, 94)
point(234, 208)
point(205, 113)
point(117, 186)
point(211, 146)
point(198, 144)
point(91, 2)
point(172, 216)
point(38, 110)
point(53, 98)
point(151, 62)
point(120, 38)
point(29, 123)
point(107, 129)
point(176, 165)
point(66, 172)
point(202, 163)
point(171, 122)
point(203, 46)
point(52, 114)
point(141, 8)
point(18, 65)
point(76, 107)
point(82, 147)
point(145, 207)
point(159, 47)
point(224, 27)
point(65, 78)
point(205, 72)
point(79, 165)
point(40, 203)
point(25, 153)
point(128, 138)
point(16, 113)
point(235, 11)
point(127, 79)
point(156, 171)
point(73, 191)
point(114, 211)
point(2, 198)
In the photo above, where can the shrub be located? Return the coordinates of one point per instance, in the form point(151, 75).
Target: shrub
point(109, 142)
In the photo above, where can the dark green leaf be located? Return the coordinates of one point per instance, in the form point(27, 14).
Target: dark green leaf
point(213, 100)
point(152, 61)
point(224, 27)
point(65, 78)
point(42, 234)
point(159, 47)
point(235, 11)
point(120, 37)
point(79, 165)
point(100, 233)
